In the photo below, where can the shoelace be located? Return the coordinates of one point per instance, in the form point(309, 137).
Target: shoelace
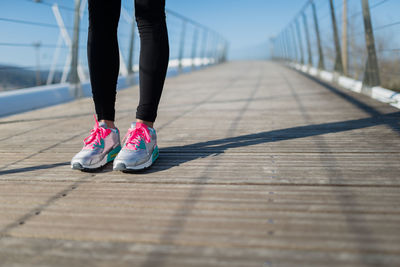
point(96, 134)
point(134, 136)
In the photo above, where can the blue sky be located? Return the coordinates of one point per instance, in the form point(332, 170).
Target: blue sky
point(246, 24)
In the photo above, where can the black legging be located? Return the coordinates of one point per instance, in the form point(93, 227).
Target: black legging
point(103, 55)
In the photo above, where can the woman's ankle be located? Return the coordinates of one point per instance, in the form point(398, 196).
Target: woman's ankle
point(110, 124)
point(148, 123)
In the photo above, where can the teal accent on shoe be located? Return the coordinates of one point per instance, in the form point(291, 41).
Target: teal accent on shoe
point(101, 145)
point(142, 144)
point(155, 154)
point(113, 153)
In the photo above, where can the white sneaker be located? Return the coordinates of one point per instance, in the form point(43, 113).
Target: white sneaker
point(140, 149)
point(100, 147)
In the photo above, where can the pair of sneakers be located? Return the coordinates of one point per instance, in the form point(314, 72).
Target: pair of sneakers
point(139, 150)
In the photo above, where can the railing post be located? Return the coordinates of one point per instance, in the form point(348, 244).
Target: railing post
point(300, 42)
point(131, 47)
point(182, 45)
point(209, 45)
point(216, 47)
point(283, 48)
point(221, 52)
point(371, 74)
point(204, 49)
point(75, 85)
point(294, 43)
point(285, 45)
point(344, 39)
point(194, 47)
point(220, 49)
point(37, 46)
point(321, 64)
point(293, 51)
point(338, 57)
point(213, 47)
point(288, 45)
point(271, 48)
point(224, 55)
point(277, 48)
point(307, 39)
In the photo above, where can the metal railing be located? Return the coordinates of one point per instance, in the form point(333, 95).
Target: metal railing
point(51, 49)
point(353, 38)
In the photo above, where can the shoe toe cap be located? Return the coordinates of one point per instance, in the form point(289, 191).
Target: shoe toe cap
point(85, 159)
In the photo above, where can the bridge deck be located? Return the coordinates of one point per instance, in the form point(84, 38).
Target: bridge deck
point(259, 166)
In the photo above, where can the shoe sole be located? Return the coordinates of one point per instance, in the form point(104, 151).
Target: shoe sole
point(110, 157)
point(122, 167)
point(78, 166)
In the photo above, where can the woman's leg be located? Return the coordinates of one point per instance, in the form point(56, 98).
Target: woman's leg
point(103, 55)
point(140, 149)
point(154, 56)
point(103, 143)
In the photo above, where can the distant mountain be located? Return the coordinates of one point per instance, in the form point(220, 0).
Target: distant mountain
point(12, 77)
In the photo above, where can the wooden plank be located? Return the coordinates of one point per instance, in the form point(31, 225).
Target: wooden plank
point(259, 166)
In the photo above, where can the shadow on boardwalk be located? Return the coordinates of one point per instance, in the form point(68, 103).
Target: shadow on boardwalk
point(213, 147)
point(176, 155)
point(204, 149)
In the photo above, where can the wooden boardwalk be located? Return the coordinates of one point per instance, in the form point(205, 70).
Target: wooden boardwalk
point(259, 166)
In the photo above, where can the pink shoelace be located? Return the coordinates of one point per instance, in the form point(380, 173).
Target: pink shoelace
point(96, 134)
point(134, 136)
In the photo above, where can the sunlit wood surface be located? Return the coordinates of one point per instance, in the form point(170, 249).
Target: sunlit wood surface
point(259, 166)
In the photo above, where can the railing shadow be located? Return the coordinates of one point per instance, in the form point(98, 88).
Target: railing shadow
point(194, 151)
point(204, 149)
point(34, 168)
point(354, 101)
point(207, 148)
